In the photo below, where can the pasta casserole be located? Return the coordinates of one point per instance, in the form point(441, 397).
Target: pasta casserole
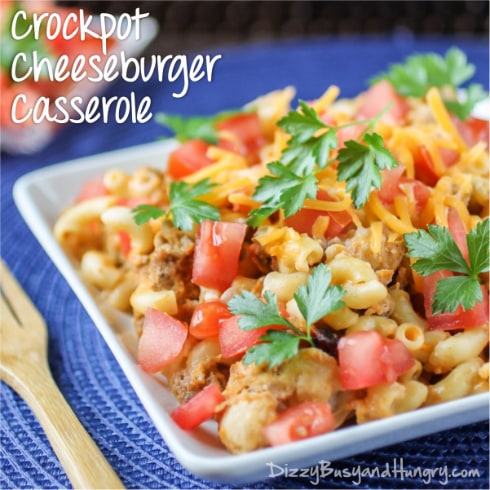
point(296, 267)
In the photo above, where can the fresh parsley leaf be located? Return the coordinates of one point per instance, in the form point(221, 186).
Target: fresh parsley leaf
point(457, 68)
point(477, 240)
point(318, 297)
point(315, 299)
point(145, 212)
point(462, 109)
point(420, 72)
point(436, 250)
point(285, 189)
point(360, 165)
point(454, 291)
point(197, 127)
point(257, 216)
point(185, 207)
point(256, 313)
point(304, 123)
point(277, 346)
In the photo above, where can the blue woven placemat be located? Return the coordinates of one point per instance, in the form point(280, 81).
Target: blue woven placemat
point(86, 370)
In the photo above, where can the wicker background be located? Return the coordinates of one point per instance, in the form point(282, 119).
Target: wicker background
point(190, 25)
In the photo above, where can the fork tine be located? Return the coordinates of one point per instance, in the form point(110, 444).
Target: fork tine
point(7, 314)
point(19, 302)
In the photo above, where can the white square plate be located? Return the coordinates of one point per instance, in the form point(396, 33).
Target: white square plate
point(43, 194)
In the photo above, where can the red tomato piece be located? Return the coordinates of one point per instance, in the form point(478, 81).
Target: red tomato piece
point(448, 156)
point(366, 358)
point(92, 188)
point(304, 219)
point(377, 97)
point(424, 167)
point(393, 183)
point(217, 252)
point(458, 230)
point(75, 46)
point(133, 202)
point(424, 164)
point(234, 341)
point(301, 421)
point(246, 128)
point(421, 193)
point(474, 317)
point(390, 185)
point(206, 319)
point(473, 130)
point(199, 408)
point(349, 133)
point(187, 158)
point(124, 242)
point(161, 342)
point(396, 358)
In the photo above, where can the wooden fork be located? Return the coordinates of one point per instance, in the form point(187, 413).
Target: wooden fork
point(24, 366)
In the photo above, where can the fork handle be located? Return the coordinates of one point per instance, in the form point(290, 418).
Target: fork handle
point(83, 462)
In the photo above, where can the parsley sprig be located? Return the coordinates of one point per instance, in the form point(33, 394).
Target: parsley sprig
point(360, 166)
point(185, 206)
point(314, 299)
point(436, 250)
point(293, 178)
point(420, 72)
point(196, 127)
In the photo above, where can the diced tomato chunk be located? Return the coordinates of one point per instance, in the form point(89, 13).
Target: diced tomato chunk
point(161, 342)
point(473, 130)
point(458, 230)
point(394, 184)
point(133, 202)
point(366, 358)
point(424, 166)
point(304, 219)
point(390, 185)
point(377, 98)
point(92, 188)
point(217, 252)
point(124, 242)
point(245, 127)
point(207, 317)
point(301, 421)
point(188, 158)
point(349, 133)
point(199, 408)
point(421, 193)
point(234, 341)
point(474, 317)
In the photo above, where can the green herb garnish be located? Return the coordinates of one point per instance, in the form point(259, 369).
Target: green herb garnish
point(293, 178)
point(197, 127)
point(315, 299)
point(185, 208)
point(420, 72)
point(436, 250)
